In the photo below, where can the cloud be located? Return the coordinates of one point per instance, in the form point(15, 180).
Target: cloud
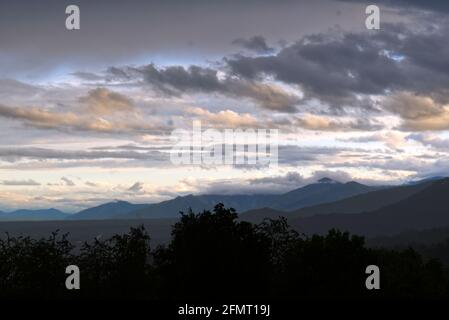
point(393, 140)
point(102, 101)
point(439, 6)
point(71, 121)
point(303, 155)
point(294, 179)
point(178, 80)
point(224, 118)
point(136, 187)
point(257, 44)
point(341, 68)
point(268, 96)
point(68, 182)
point(28, 182)
point(88, 76)
point(325, 123)
point(91, 184)
point(266, 185)
point(413, 107)
point(426, 139)
point(135, 147)
point(418, 113)
point(14, 88)
point(40, 117)
point(13, 154)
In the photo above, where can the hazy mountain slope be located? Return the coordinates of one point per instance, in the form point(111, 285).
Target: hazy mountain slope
point(106, 211)
point(325, 190)
point(426, 209)
point(30, 215)
point(365, 202)
point(171, 208)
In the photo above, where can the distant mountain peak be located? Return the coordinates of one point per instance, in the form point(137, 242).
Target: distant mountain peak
point(353, 183)
point(327, 180)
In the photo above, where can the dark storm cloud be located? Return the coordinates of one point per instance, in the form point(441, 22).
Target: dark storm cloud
point(257, 44)
point(336, 68)
point(177, 80)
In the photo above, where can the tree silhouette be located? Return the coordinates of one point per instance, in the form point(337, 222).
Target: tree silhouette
point(215, 256)
point(34, 268)
point(118, 267)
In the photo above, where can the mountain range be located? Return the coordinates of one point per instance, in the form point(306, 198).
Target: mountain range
point(324, 190)
point(364, 202)
point(314, 208)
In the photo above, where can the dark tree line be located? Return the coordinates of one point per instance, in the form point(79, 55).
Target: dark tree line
point(213, 255)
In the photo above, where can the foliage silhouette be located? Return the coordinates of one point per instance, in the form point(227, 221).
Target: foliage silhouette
point(118, 267)
point(214, 256)
point(34, 268)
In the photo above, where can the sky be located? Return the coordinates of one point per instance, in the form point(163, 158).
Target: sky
point(87, 115)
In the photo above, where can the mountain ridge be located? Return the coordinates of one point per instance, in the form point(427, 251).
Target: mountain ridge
point(426, 209)
point(322, 191)
point(365, 202)
point(324, 196)
point(33, 214)
point(106, 210)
